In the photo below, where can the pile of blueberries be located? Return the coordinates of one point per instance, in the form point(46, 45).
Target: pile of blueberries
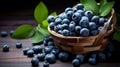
point(48, 54)
point(77, 22)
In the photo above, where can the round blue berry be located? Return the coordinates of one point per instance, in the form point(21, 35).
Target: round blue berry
point(89, 14)
point(18, 45)
point(92, 25)
point(51, 19)
point(76, 63)
point(84, 32)
point(4, 33)
point(50, 58)
point(5, 48)
point(35, 62)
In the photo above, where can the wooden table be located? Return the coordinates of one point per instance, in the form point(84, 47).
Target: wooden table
point(15, 57)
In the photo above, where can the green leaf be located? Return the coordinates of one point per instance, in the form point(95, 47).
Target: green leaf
point(43, 31)
point(91, 5)
point(45, 24)
point(117, 35)
point(23, 31)
point(38, 37)
point(106, 8)
point(102, 2)
point(40, 12)
point(53, 14)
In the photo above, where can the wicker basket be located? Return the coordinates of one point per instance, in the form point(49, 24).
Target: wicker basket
point(85, 44)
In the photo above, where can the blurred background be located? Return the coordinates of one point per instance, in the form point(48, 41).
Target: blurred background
point(26, 7)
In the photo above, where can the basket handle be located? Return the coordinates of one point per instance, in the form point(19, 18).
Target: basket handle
point(103, 31)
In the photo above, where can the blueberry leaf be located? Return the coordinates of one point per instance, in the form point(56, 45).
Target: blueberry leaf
point(23, 31)
point(53, 14)
point(106, 8)
point(117, 35)
point(90, 5)
point(102, 2)
point(40, 12)
point(43, 31)
point(38, 37)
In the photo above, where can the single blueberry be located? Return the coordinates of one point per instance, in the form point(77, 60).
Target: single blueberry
point(76, 63)
point(66, 32)
point(6, 48)
point(51, 25)
point(81, 12)
point(71, 27)
point(51, 19)
point(84, 32)
point(30, 53)
point(45, 64)
point(76, 16)
point(50, 58)
point(80, 57)
point(63, 56)
point(84, 22)
point(92, 61)
point(89, 14)
point(48, 49)
point(94, 32)
point(25, 50)
point(56, 28)
point(69, 14)
point(79, 6)
point(95, 19)
point(41, 56)
point(37, 49)
point(65, 21)
point(68, 9)
point(58, 21)
point(77, 29)
point(65, 26)
point(4, 33)
point(101, 21)
point(101, 56)
point(55, 52)
point(35, 62)
point(92, 25)
point(18, 45)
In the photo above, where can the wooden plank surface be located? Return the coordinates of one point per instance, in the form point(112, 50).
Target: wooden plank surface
point(15, 57)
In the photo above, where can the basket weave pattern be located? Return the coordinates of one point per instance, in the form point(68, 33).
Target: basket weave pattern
point(85, 44)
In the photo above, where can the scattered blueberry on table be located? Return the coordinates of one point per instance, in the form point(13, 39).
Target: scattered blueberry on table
point(4, 33)
point(35, 62)
point(18, 44)
point(5, 48)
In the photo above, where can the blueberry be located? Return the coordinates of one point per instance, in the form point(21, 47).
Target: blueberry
point(48, 49)
point(84, 22)
point(62, 16)
point(76, 63)
point(76, 16)
point(65, 26)
point(73, 22)
point(58, 21)
point(84, 32)
point(63, 56)
point(92, 26)
point(80, 57)
point(79, 6)
point(51, 43)
point(56, 28)
point(35, 62)
point(69, 14)
point(101, 56)
point(81, 12)
point(4, 33)
point(77, 29)
point(92, 61)
point(71, 27)
point(30, 53)
point(6, 48)
point(46, 40)
point(95, 19)
point(68, 9)
point(37, 49)
point(41, 56)
point(65, 21)
point(100, 28)
point(52, 24)
point(55, 52)
point(89, 14)
point(101, 21)
point(94, 32)
point(18, 45)
point(51, 19)
point(45, 64)
point(50, 58)
point(65, 32)
point(11, 32)
point(25, 50)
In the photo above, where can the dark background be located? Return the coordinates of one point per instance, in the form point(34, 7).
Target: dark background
point(16, 7)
